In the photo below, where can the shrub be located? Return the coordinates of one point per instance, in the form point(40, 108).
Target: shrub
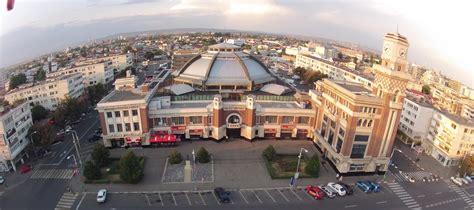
point(269, 153)
point(203, 156)
point(91, 171)
point(100, 155)
point(175, 157)
point(130, 169)
point(313, 166)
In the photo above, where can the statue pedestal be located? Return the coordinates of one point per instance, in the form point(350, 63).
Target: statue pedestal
point(187, 172)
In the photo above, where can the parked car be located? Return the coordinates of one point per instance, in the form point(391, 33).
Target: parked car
point(329, 192)
point(468, 178)
point(98, 130)
point(337, 188)
point(222, 195)
point(61, 132)
point(464, 181)
point(457, 182)
point(315, 192)
point(348, 188)
point(68, 128)
point(25, 168)
point(101, 195)
point(93, 138)
point(2, 180)
point(363, 186)
point(374, 186)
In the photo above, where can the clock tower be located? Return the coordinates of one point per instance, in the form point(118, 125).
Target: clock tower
point(391, 79)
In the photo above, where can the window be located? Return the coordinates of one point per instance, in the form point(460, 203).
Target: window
point(323, 129)
point(342, 132)
point(195, 119)
point(333, 124)
point(271, 119)
point(303, 120)
point(109, 114)
point(128, 127)
point(331, 136)
point(125, 113)
point(117, 113)
point(134, 112)
point(361, 138)
point(111, 128)
point(356, 167)
point(339, 144)
point(287, 119)
point(177, 120)
point(119, 128)
point(358, 150)
point(136, 126)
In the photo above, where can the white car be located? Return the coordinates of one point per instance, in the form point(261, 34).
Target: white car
point(337, 188)
point(2, 180)
point(329, 192)
point(464, 181)
point(468, 178)
point(457, 182)
point(101, 195)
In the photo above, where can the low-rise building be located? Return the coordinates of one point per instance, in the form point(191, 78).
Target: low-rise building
point(415, 119)
point(450, 137)
point(48, 93)
point(92, 74)
point(181, 57)
point(15, 121)
point(119, 62)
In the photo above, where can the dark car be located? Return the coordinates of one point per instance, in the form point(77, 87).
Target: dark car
point(374, 186)
point(93, 138)
point(222, 195)
point(348, 188)
point(98, 130)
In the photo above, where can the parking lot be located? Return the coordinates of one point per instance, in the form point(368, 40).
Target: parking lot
point(258, 196)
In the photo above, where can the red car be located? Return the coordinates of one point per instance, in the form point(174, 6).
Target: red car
point(25, 168)
point(315, 192)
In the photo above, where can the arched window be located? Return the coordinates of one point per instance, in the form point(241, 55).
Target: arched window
point(359, 123)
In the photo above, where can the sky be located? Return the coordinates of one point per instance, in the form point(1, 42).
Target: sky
point(440, 32)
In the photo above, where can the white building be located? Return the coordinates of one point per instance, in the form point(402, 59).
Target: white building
point(450, 137)
point(119, 62)
point(15, 121)
point(92, 74)
point(238, 42)
point(48, 93)
point(415, 119)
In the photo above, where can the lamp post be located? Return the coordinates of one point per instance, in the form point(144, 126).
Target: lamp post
point(390, 160)
point(74, 158)
point(33, 143)
point(298, 165)
point(75, 140)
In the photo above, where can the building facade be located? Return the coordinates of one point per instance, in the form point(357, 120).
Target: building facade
point(450, 137)
point(15, 121)
point(92, 74)
point(181, 57)
point(415, 119)
point(48, 93)
point(119, 62)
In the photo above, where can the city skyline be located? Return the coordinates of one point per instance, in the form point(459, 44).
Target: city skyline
point(340, 20)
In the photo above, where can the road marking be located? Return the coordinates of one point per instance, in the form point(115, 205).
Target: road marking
point(299, 198)
point(380, 202)
point(148, 199)
point(350, 206)
point(80, 202)
point(421, 196)
point(174, 200)
point(273, 199)
point(218, 202)
point(231, 201)
point(256, 196)
point(438, 193)
point(161, 199)
point(283, 195)
point(243, 197)
point(202, 199)
point(189, 200)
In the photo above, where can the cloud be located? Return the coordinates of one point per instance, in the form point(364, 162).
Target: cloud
point(230, 7)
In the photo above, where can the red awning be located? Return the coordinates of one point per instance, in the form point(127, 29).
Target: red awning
point(168, 138)
point(133, 139)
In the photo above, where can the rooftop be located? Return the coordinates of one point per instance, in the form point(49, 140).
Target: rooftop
point(123, 95)
point(353, 87)
point(458, 119)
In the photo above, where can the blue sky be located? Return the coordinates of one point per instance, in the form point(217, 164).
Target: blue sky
point(439, 32)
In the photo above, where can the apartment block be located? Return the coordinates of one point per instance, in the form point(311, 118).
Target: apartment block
point(92, 74)
point(415, 119)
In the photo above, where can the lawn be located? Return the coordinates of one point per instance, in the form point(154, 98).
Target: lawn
point(284, 166)
point(111, 172)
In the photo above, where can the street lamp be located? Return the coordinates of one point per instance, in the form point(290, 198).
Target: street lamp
point(298, 165)
point(75, 140)
point(74, 158)
point(33, 143)
point(390, 160)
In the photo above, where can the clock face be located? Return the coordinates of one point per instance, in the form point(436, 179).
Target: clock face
point(402, 53)
point(386, 48)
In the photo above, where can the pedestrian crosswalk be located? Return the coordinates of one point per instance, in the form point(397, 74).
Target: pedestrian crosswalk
point(53, 174)
point(461, 193)
point(403, 195)
point(66, 201)
point(405, 176)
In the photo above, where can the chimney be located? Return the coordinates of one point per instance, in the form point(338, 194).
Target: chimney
point(145, 88)
point(129, 73)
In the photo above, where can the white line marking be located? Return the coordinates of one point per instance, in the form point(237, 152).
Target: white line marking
point(350, 206)
point(256, 196)
point(189, 200)
point(148, 199)
point(174, 200)
point(202, 199)
point(243, 197)
point(299, 198)
point(283, 196)
point(80, 202)
point(380, 202)
point(438, 193)
point(273, 199)
point(421, 196)
point(161, 199)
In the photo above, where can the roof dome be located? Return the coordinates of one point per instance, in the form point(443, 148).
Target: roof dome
point(224, 65)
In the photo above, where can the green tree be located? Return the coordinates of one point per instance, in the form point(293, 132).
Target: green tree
point(313, 166)
point(95, 93)
point(426, 89)
point(270, 153)
point(40, 75)
point(38, 112)
point(70, 109)
point(175, 157)
point(131, 171)
point(467, 166)
point(17, 80)
point(44, 135)
point(91, 171)
point(203, 155)
point(149, 55)
point(100, 155)
point(127, 49)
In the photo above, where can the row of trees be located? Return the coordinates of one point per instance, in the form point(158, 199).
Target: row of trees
point(309, 76)
point(312, 165)
point(17, 80)
point(202, 156)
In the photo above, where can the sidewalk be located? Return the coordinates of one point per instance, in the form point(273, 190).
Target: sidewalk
point(426, 162)
point(14, 179)
point(238, 164)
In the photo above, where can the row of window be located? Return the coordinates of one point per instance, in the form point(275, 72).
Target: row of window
point(119, 127)
point(125, 113)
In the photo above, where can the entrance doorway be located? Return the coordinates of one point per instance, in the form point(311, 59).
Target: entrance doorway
point(233, 132)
